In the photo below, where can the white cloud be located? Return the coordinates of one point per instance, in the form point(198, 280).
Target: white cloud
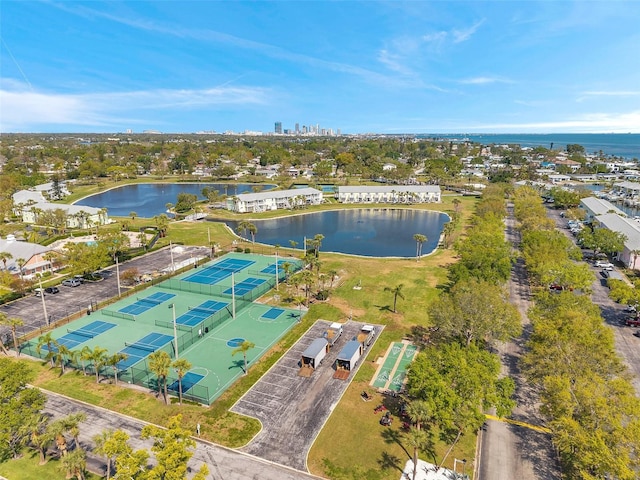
point(23, 107)
point(460, 36)
point(484, 80)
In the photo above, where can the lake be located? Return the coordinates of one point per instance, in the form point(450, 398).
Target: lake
point(369, 232)
point(150, 199)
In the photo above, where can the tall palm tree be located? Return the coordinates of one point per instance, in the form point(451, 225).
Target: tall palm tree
point(159, 364)
point(51, 344)
point(243, 348)
point(252, 231)
point(13, 323)
point(456, 204)
point(420, 239)
point(98, 358)
point(113, 362)
point(317, 243)
point(75, 464)
point(72, 425)
point(397, 292)
point(4, 257)
point(61, 358)
point(85, 356)
point(20, 263)
point(40, 436)
point(182, 366)
point(635, 257)
point(100, 440)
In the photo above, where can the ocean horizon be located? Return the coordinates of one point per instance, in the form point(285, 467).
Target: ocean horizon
point(626, 145)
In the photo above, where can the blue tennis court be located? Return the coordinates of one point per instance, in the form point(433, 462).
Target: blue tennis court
point(218, 271)
point(142, 349)
point(81, 335)
point(188, 381)
point(271, 269)
point(273, 313)
point(146, 303)
point(245, 286)
point(196, 315)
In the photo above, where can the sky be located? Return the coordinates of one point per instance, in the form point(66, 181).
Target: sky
point(359, 67)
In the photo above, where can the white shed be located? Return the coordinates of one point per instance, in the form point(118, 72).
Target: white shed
point(349, 355)
point(315, 353)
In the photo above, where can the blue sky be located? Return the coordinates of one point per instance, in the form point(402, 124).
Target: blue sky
point(384, 67)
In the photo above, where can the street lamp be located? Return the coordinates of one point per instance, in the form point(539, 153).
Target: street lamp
point(44, 305)
point(175, 331)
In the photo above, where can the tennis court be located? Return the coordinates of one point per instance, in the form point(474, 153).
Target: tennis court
point(218, 271)
point(245, 286)
point(271, 269)
point(210, 325)
point(142, 348)
point(146, 303)
point(196, 315)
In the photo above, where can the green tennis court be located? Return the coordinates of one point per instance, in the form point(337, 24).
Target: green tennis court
point(209, 324)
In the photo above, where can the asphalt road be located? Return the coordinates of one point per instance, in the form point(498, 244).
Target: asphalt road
point(71, 300)
point(507, 451)
point(224, 464)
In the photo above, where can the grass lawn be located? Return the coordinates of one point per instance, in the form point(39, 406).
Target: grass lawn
point(381, 451)
point(27, 468)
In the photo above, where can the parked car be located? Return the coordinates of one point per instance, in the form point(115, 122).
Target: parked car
point(604, 265)
point(630, 308)
point(71, 282)
point(79, 278)
point(39, 292)
point(632, 322)
point(52, 290)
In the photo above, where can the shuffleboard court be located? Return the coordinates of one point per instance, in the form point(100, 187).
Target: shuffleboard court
point(147, 303)
point(384, 374)
point(244, 286)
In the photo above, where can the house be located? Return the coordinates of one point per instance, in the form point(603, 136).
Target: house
point(598, 206)
point(77, 216)
point(390, 194)
point(630, 254)
point(26, 259)
point(274, 200)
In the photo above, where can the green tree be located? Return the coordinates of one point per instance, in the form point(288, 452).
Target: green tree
point(182, 367)
point(40, 436)
point(602, 240)
point(172, 448)
point(13, 323)
point(5, 257)
point(75, 464)
point(51, 345)
point(20, 407)
point(159, 364)
point(243, 348)
point(397, 292)
point(99, 358)
point(113, 361)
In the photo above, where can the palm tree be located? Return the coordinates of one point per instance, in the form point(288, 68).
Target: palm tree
point(306, 278)
point(293, 244)
point(133, 216)
point(4, 256)
point(40, 436)
point(252, 230)
point(456, 204)
point(244, 347)
point(72, 425)
point(20, 263)
point(397, 292)
point(420, 239)
point(159, 364)
point(13, 323)
point(75, 464)
point(317, 243)
point(417, 439)
point(182, 366)
point(85, 355)
point(635, 257)
point(61, 358)
point(113, 361)
point(99, 358)
point(51, 344)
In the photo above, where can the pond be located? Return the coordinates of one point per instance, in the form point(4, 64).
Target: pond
point(150, 199)
point(369, 232)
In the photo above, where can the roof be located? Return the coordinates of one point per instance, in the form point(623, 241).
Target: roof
point(599, 206)
point(389, 189)
point(629, 228)
point(351, 347)
point(27, 196)
point(23, 250)
point(70, 209)
point(250, 197)
point(628, 185)
point(316, 347)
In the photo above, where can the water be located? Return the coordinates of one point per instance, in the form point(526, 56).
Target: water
point(327, 188)
point(370, 232)
point(625, 145)
point(150, 199)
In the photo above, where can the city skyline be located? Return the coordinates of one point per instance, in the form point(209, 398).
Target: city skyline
point(353, 67)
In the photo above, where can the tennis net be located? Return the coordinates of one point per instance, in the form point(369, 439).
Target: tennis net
point(142, 346)
point(124, 316)
point(81, 333)
point(208, 311)
point(225, 269)
point(149, 301)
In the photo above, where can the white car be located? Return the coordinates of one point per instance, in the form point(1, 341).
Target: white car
point(604, 265)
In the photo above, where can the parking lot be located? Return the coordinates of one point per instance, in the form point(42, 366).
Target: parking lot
point(291, 408)
point(37, 313)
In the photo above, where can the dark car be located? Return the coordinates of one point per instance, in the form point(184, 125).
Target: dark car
point(51, 290)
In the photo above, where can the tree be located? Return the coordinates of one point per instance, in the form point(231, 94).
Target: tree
point(114, 445)
point(243, 348)
point(13, 323)
point(252, 230)
point(397, 292)
point(61, 358)
point(51, 345)
point(159, 364)
point(419, 413)
point(317, 243)
point(602, 240)
point(4, 257)
point(20, 407)
point(75, 464)
point(182, 366)
point(40, 436)
point(420, 239)
point(99, 358)
point(172, 449)
point(113, 362)
point(456, 204)
point(85, 356)
point(475, 310)
point(133, 216)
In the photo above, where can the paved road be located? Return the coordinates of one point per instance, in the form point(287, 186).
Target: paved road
point(224, 463)
point(508, 451)
point(71, 300)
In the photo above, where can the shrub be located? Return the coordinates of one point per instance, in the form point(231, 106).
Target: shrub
point(247, 250)
point(322, 294)
point(238, 249)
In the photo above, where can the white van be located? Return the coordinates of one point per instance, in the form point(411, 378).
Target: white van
point(39, 292)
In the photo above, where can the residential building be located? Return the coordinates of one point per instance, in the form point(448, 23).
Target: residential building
point(77, 216)
point(25, 256)
point(390, 194)
point(274, 200)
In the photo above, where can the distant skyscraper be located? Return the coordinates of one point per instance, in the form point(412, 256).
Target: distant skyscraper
point(278, 128)
point(297, 128)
